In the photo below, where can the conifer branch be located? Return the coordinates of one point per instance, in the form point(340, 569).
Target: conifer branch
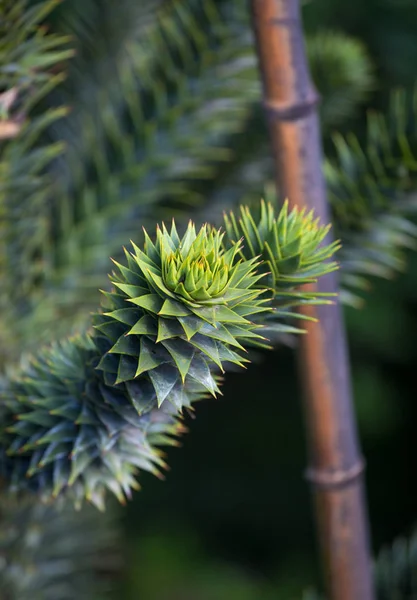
point(84, 415)
point(46, 552)
point(29, 56)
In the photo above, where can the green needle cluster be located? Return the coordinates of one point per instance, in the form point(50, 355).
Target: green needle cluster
point(291, 244)
point(180, 308)
point(86, 414)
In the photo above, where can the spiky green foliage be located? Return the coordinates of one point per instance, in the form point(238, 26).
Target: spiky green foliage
point(293, 251)
point(55, 553)
point(133, 135)
point(156, 115)
point(86, 414)
point(290, 244)
point(64, 428)
point(396, 570)
point(342, 72)
point(45, 552)
point(191, 303)
point(28, 55)
point(372, 185)
point(133, 146)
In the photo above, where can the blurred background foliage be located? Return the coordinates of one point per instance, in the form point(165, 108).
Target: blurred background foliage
point(166, 120)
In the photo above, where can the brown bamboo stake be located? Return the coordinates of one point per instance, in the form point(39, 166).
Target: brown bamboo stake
point(336, 466)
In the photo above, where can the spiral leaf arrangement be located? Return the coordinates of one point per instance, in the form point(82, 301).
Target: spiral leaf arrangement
point(293, 252)
point(179, 306)
point(85, 414)
point(291, 246)
point(66, 430)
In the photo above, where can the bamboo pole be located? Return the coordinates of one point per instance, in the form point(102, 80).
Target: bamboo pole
point(336, 466)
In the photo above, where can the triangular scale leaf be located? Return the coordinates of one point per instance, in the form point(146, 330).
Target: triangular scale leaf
point(151, 302)
point(220, 333)
point(150, 249)
point(86, 416)
point(168, 328)
point(182, 353)
point(84, 440)
point(126, 273)
point(129, 316)
point(209, 347)
point(245, 310)
point(126, 345)
point(61, 471)
point(151, 356)
point(54, 452)
point(240, 332)
point(145, 326)
point(111, 329)
point(112, 422)
point(157, 282)
point(38, 417)
point(225, 315)
point(163, 380)
point(63, 432)
point(142, 395)
point(289, 265)
point(228, 355)
point(127, 369)
point(178, 398)
point(133, 291)
point(79, 463)
point(191, 325)
point(69, 410)
point(109, 363)
point(200, 371)
point(171, 308)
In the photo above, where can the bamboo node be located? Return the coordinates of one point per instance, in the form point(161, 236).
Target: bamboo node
point(326, 478)
point(283, 111)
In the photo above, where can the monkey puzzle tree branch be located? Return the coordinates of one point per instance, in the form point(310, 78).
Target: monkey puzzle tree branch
point(84, 415)
point(336, 464)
